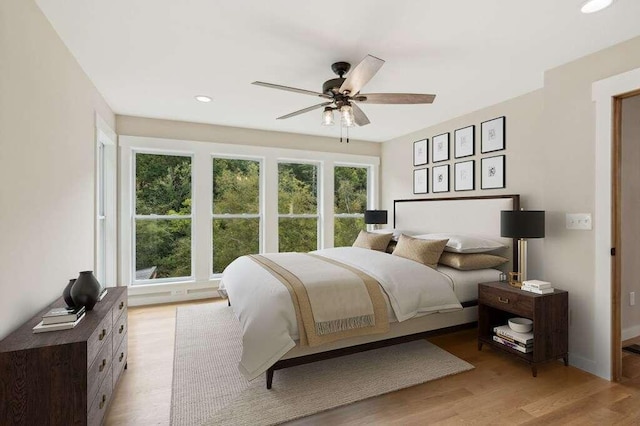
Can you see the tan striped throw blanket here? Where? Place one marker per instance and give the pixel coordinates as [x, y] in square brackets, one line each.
[332, 300]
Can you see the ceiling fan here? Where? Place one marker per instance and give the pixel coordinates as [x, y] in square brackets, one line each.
[342, 93]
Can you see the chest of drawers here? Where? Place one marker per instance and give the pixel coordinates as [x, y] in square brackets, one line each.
[65, 377]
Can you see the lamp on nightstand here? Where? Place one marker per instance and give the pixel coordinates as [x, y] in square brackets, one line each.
[522, 224]
[375, 217]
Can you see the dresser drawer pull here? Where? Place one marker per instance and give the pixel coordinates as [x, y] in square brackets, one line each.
[102, 334]
[503, 300]
[121, 329]
[104, 364]
[104, 400]
[121, 356]
[121, 306]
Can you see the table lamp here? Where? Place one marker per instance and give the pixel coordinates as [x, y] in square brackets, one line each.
[522, 224]
[375, 217]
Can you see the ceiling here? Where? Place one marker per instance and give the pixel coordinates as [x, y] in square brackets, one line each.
[151, 57]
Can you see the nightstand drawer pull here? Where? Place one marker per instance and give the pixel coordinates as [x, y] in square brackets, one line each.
[121, 306]
[104, 364]
[121, 329]
[503, 300]
[102, 334]
[104, 400]
[121, 356]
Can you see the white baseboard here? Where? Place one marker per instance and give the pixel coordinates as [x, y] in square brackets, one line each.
[631, 332]
[585, 364]
[167, 297]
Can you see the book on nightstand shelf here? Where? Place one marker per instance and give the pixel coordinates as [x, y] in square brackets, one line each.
[42, 328]
[513, 345]
[62, 315]
[504, 331]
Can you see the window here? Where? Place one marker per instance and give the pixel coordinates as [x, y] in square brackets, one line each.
[236, 210]
[162, 218]
[101, 217]
[350, 202]
[298, 218]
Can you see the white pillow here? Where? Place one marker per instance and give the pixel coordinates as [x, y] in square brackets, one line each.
[465, 243]
[396, 232]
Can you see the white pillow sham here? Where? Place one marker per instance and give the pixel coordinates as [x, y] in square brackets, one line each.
[396, 232]
[465, 243]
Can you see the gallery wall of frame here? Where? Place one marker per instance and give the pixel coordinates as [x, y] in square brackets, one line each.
[462, 171]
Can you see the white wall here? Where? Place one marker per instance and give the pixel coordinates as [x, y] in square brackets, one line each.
[523, 160]
[181, 130]
[47, 138]
[551, 163]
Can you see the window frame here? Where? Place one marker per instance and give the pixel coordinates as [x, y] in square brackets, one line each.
[320, 228]
[204, 284]
[261, 206]
[135, 217]
[106, 206]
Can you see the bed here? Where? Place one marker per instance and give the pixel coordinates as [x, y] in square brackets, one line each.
[271, 338]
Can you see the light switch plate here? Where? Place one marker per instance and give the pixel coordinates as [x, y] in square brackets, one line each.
[579, 221]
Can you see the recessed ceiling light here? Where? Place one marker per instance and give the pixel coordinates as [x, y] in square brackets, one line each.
[203, 98]
[592, 6]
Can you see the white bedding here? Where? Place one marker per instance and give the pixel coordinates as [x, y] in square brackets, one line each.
[265, 311]
[465, 283]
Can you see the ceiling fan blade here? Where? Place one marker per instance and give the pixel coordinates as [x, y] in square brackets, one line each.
[291, 89]
[395, 98]
[361, 74]
[302, 111]
[359, 116]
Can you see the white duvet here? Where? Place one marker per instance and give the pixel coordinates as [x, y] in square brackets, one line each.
[264, 308]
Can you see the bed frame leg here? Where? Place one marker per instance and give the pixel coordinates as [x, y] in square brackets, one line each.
[269, 378]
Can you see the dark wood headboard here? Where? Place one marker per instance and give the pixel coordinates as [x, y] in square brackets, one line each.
[463, 215]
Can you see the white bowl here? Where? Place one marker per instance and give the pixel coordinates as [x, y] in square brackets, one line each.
[521, 325]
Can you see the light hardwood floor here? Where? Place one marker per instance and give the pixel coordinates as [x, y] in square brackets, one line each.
[500, 390]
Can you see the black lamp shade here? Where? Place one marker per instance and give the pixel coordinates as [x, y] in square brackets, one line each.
[375, 217]
[522, 223]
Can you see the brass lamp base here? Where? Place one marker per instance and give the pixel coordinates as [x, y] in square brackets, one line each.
[515, 279]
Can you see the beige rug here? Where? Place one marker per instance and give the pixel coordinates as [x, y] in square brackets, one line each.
[208, 388]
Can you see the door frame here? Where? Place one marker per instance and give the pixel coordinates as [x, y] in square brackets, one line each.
[606, 94]
[616, 234]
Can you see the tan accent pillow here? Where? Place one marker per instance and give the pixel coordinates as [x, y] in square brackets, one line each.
[422, 251]
[470, 262]
[372, 241]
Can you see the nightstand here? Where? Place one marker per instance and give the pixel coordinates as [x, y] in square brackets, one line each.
[497, 302]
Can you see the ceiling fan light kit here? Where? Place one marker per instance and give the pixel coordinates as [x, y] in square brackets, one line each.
[342, 93]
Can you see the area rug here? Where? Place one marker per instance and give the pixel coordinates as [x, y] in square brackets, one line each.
[208, 389]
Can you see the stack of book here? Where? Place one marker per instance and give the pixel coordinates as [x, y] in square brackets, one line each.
[60, 319]
[537, 286]
[522, 342]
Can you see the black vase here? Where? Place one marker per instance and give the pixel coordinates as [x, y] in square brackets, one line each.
[86, 290]
[66, 293]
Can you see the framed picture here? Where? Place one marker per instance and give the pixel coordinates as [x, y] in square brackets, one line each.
[464, 176]
[441, 178]
[492, 135]
[440, 147]
[421, 181]
[465, 142]
[420, 152]
[493, 172]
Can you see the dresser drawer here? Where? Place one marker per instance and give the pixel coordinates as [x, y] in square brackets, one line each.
[98, 370]
[119, 330]
[120, 360]
[119, 307]
[101, 335]
[100, 402]
[506, 300]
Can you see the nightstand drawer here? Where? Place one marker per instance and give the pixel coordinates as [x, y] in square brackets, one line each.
[506, 300]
